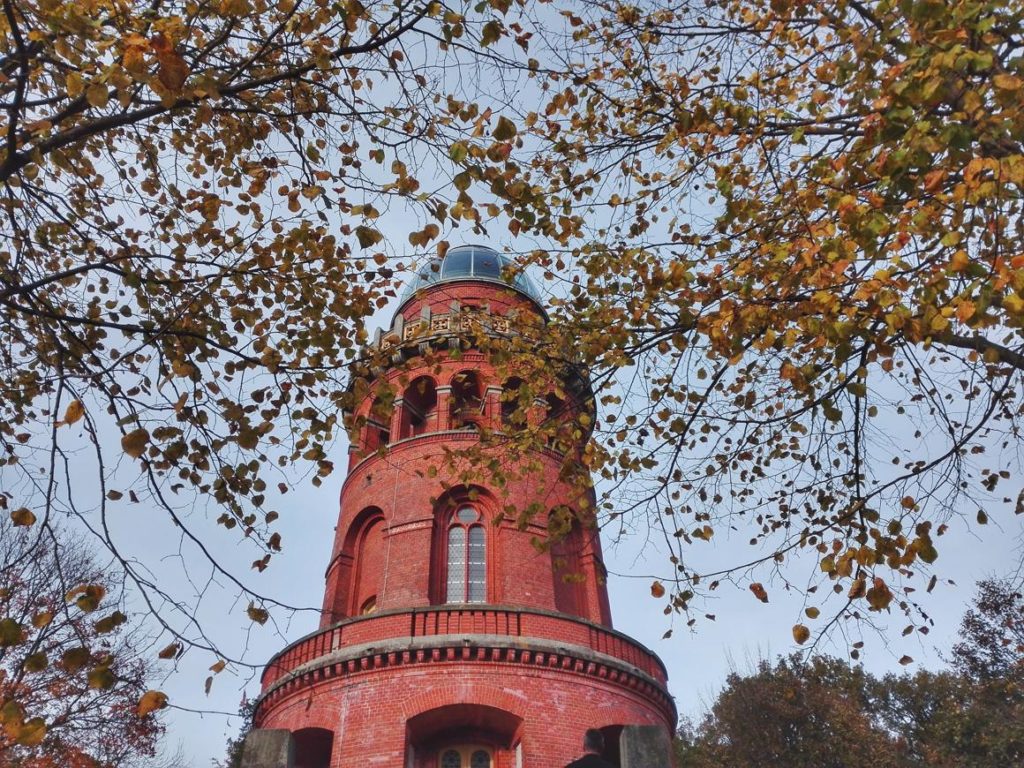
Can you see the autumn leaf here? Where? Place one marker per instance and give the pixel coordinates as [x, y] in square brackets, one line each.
[759, 591]
[172, 70]
[31, 733]
[74, 659]
[134, 443]
[257, 614]
[97, 95]
[657, 589]
[72, 413]
[23, 516]
[101, 677]
[801, 634]
[110, 623]
[11, 633]
[505, 130]
[368, 236]
[170, 651]
[150, 702]
[1007, 82]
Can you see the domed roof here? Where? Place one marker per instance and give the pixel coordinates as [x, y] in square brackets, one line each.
[470, 262]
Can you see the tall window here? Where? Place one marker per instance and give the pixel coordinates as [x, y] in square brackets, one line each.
[467, 558]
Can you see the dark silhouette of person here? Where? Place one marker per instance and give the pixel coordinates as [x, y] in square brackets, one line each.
[593, 746]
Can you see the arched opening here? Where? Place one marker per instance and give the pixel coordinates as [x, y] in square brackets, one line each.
[467, 403]
[377, 433]
[557, 423]
[360, 577]
[612, 735]
[513, 406]
[463, 736]
[420, 404]
[313, 747]
[566, 536]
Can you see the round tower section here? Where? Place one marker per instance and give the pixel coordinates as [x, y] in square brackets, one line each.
[454, 632]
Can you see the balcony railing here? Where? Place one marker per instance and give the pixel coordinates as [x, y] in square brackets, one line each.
[463, 620]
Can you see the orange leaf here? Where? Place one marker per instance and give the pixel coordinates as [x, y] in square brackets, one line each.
[172, 71]
[657, 589]
[759, 591]
[151, 701]
[801, 633]
[73, 413]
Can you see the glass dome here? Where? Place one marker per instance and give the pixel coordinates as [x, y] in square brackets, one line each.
[470, 262]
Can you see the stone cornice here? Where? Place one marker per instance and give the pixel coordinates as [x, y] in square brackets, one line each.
[455, 649]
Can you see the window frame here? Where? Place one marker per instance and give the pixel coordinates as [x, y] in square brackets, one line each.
[466, 754]
[473, 535]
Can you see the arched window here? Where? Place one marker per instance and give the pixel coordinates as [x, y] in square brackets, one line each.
[467, 558]
[467, 401]
[420, 403]
[378, 424]
[513, 409]
[465, 757]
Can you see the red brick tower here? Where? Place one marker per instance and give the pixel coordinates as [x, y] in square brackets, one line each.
[448, 639]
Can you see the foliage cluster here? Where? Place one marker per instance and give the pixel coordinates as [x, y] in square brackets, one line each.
[783, 238]
[820, 712]
[71, 676]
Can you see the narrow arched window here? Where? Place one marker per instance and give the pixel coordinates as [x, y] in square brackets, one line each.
[467, 558]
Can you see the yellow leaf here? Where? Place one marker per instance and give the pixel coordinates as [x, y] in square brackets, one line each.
[218, 667]
[23, 516]
[1005, 82]
[801, 633]
[75, 85]
[134, 60]
[32, 733]
[97, 95]
[101, 678]
[812, 612]
[135, 442]
[151, 701]
[257, 614]
[1014, 303]
[72, 413]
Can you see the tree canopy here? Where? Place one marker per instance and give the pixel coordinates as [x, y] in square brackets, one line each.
[789, 237]
[72, 674]
[820, 711]
[781, 237]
